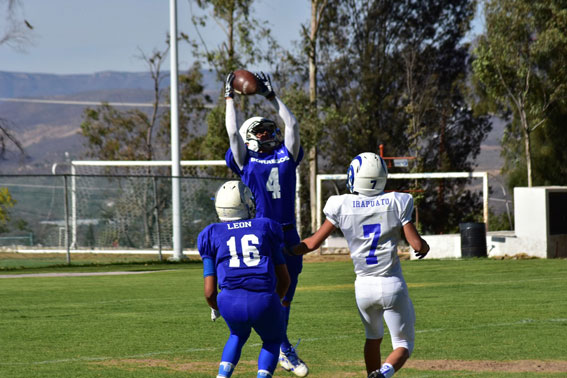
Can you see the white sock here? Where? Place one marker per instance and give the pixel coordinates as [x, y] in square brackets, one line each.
[264, 373]
[387, 370]
[225, 369]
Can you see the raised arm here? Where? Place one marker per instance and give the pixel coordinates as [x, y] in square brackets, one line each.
[291, 136]
[237, 144]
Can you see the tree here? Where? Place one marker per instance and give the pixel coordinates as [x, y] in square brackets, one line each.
[137, 135]
[520, 71]
[395, 73]
[17, 32]
[6, 202]
[317, 10]
[247, 43]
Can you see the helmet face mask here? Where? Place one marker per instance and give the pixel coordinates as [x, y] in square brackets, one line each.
[257, 125]
[367, 174]
[234, 201]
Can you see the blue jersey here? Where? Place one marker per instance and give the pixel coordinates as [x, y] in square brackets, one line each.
[271, 178]
[245, 253]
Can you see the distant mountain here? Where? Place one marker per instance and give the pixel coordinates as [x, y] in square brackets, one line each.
[48, 130]
[15, 85]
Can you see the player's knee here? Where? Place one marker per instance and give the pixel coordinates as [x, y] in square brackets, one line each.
[286, 303]
[406, 345]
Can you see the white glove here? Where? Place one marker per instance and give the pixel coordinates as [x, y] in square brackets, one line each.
[228, 88]
[215, 314]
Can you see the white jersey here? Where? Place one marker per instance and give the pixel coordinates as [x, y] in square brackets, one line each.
[372, 227]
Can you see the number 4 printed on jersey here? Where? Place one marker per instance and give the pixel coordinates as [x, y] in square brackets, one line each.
[273, 183]
[372, 231]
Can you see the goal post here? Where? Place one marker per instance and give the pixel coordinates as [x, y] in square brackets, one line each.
[398, 176]
[111, 191]
[76, 164]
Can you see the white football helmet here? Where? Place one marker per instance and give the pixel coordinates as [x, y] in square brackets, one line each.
[367, 174]
[252, 126]
[234, 201]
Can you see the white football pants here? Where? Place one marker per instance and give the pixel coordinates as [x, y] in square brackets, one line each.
[387, 297]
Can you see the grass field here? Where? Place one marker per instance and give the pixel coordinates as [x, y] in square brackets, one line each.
[475, 318]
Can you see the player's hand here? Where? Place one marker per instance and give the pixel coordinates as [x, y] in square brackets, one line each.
[421, 254]
[299, 249]
[265, 85]
[215, 314]
[228, 89]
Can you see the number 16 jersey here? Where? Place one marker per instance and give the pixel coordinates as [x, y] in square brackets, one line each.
[245, 253]
[372, 226]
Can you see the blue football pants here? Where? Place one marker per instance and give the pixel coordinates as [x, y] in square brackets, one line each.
[243, 310]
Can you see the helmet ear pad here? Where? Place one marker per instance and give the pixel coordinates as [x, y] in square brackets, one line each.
[367, 174]
[350, 178]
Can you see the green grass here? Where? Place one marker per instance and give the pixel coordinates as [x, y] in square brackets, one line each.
[158, 325]
[17, 262]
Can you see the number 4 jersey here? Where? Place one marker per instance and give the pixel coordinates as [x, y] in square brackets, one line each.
[372, 226]
[271, 178]
[245, 253]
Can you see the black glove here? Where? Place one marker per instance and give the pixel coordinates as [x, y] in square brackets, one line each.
[423, 253]
[228, 89]
[265, 85]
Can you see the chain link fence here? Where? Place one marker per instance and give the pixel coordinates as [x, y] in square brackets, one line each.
[109, 213]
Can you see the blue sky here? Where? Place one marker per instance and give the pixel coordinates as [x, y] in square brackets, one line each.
[80, 36]
[85, 36]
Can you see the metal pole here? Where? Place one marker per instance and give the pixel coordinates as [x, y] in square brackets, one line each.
[66, 206]
[298, 201]
[175, 158]
[485, 198]
[156, 212]
[73, 205]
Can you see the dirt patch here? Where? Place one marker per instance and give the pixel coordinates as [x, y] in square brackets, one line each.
[520, 366]
[193, 367]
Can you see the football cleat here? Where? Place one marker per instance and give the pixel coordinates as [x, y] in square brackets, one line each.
[290, 361]
[376, 374]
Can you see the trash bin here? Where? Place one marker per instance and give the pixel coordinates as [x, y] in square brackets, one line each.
[473, 239]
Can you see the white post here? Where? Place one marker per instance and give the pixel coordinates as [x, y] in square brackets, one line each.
[298, 201]
[485, 198]
[319, 199]
[73, 207]
[175, 156]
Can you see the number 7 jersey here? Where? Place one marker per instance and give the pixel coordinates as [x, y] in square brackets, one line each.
[372, 226]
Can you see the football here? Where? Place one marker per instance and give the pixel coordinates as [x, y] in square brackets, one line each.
[245, 82]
